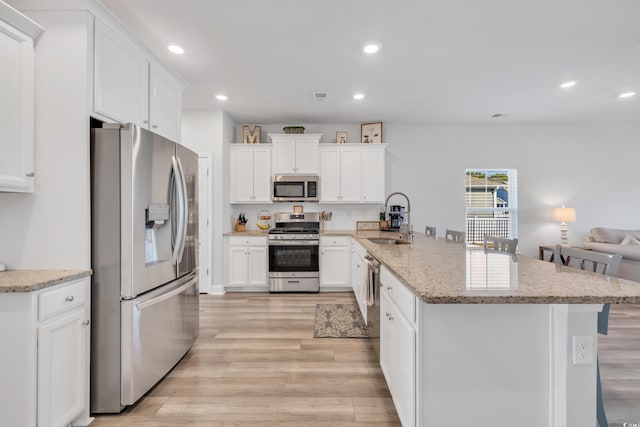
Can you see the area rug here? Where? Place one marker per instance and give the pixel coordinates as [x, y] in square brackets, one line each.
[339, 321]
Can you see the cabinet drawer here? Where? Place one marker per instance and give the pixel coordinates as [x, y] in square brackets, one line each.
[59, 300]
[247, 241]
[400, 294]
[335, 241]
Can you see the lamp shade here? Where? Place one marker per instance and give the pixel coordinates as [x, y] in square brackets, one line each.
[563, 214]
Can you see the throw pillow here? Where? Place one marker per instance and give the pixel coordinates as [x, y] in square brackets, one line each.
[630, 240]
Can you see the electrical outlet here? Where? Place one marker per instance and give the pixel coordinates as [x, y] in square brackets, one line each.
[583, 350]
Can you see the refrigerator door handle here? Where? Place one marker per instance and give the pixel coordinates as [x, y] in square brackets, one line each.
[164, 297]
[185, 216]
[177, 176]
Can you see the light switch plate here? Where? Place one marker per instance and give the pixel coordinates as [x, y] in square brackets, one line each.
[583, 350]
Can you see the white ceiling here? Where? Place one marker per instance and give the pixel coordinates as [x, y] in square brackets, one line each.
[441, 61]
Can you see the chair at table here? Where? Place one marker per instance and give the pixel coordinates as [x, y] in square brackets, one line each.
[430, 231]
[455, 236]
[500, 244]
[596, 262]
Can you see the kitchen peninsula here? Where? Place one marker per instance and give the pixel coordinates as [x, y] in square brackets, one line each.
[488, 339]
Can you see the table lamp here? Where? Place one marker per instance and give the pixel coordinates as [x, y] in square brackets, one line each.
[563, 215]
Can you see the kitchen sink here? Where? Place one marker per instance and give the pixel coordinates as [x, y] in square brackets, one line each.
[387, 241]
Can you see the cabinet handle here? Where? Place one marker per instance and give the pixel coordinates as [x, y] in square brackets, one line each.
[69, 298]
[154, 126]
[31, 174]
[146, 122]
[389, 288]
[86, 323]
[364, 197]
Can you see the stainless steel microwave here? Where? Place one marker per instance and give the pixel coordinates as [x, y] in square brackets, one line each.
[295, 188]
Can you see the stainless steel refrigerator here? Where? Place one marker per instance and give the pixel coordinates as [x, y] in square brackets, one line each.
[144, 244]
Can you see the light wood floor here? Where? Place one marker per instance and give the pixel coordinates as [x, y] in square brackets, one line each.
[619, 353]
[256, 363]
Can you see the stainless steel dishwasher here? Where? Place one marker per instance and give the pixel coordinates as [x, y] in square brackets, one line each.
[373, 301]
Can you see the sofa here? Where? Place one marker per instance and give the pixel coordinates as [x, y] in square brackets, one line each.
[623, 242]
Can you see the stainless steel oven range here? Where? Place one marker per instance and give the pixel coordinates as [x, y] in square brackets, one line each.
[294, 260]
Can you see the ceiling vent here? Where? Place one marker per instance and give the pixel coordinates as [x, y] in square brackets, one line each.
[320, 96]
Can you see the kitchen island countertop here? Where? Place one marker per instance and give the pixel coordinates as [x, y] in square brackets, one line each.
[440, 272]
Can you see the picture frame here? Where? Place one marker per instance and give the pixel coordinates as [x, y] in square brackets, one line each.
[342, 137]
[251, 136]
[371, 133]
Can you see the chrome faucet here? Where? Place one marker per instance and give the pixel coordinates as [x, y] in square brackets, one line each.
[405, 229]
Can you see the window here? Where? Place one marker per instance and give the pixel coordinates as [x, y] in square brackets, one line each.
[491, 203]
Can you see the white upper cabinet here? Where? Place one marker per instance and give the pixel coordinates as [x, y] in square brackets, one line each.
[17, 81]
[165, 104]
[250, 176]
[373, 173]
[352, 173]
[131, 87]
[121, 80]
[295, 154]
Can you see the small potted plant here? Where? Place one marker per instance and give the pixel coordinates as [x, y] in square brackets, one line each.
[384, 225]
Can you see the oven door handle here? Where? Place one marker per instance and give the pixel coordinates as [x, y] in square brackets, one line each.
[294, 242]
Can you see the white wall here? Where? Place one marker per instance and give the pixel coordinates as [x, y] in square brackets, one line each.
[209, 131]
[51, 228]
[589, 167]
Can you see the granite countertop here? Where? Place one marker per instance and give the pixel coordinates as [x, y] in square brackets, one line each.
[248, 233]
[33, 280]
[439, 272]
[351, 233]
[361, 234]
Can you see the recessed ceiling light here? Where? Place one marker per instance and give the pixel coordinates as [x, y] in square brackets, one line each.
[371, 48]
[567, 85]
[178, 50]
[221, 97]
[358, 96]
[626, 95]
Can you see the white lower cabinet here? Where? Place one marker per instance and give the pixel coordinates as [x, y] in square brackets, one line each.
[247, 262]
[358, 276]
[61, 367]
[398, 345]
[335, 262]
[44, 364]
